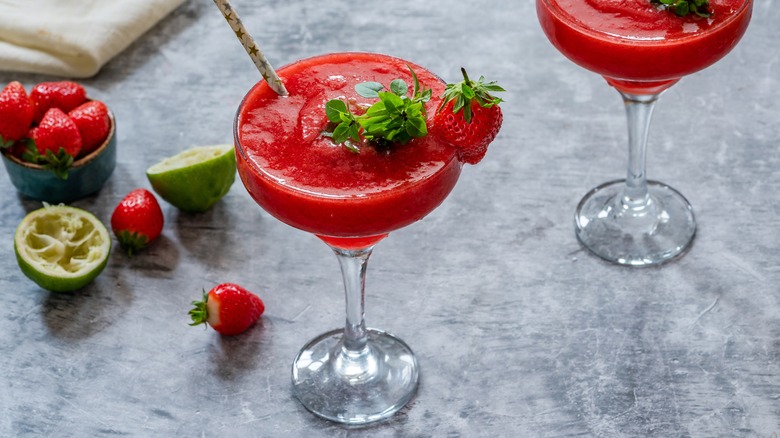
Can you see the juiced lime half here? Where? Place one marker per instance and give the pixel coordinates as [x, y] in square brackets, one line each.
[61, 248]
[195, 179]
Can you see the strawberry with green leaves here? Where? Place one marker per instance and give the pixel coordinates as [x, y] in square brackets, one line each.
[469, 117]
[65, 95]
[137, 220]
[16, 113]
[54, 143]
[93, 122]
[228, 308]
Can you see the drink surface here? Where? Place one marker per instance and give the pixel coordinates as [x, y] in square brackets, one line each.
[635, 40]
[301, 177]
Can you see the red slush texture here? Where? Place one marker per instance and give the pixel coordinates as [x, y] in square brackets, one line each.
[630, 41]
[303, 179]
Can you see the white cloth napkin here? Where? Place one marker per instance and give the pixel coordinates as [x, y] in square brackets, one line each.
[72, 38]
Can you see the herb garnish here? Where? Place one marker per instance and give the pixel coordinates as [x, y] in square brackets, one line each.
[684, 7]
[394, 118]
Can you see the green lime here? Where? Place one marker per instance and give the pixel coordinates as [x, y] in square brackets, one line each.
[61, 248]
[193, 180]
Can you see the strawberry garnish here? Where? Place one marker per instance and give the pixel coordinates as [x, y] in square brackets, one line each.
[55, 142]
[93, 122]
[65, 95]
[228, 308]
[137, 220]
[469, 117]
[16, 114]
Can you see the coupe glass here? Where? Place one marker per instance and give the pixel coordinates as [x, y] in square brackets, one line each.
[641, 51]
[355, 375]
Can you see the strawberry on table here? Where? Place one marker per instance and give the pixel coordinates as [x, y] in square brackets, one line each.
[137, 220]
[93, 122]
[65, 95]
[469, 117]
[228, 308]
[16, 114]
[55, 142]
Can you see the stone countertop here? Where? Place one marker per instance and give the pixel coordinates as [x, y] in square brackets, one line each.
[519, 332]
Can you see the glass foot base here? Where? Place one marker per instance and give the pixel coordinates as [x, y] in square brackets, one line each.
[654, 233]
[359, 388]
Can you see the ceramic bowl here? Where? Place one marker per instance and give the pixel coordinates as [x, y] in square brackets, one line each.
[86, 177]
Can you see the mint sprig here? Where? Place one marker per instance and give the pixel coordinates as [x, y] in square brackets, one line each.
[396, 118]
[681, 8]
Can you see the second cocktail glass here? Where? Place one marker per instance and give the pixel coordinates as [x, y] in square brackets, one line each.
[641, 49]
[350, 200]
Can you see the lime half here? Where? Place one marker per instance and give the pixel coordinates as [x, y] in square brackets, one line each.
[195, 179]
[61, 248]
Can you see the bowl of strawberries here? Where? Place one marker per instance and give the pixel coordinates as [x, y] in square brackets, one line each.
[57, 144]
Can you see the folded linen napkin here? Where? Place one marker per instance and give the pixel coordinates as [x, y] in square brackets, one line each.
[72, 38]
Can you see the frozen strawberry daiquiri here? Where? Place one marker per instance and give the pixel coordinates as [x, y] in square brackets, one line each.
[641, 47]
[357, 150]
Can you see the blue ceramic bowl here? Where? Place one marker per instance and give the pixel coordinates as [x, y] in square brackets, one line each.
[86, 177]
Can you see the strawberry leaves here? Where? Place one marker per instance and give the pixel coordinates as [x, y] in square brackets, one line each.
[462, 93]
[58, 163]
[396, 117]
[681, 8]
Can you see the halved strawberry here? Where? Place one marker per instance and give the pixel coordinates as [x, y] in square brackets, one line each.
[64, 95]
[469, 117]
[228, 308]
[16, 114]
[93, 122]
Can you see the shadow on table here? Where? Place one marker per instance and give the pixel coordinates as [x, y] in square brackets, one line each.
[79, 315]
[235, 356]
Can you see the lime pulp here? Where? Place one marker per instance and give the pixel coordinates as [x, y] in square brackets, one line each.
[61, 248]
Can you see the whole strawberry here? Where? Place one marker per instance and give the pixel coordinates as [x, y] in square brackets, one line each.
[469, 117]
[228, 308]
[64, 95]
[93, 122]
[55, 142]
[137, 220]
[16, 114]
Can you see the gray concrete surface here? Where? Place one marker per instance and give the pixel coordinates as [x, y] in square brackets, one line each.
[518, 330]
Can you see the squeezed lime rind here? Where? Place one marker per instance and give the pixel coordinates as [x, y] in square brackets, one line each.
[61, 248]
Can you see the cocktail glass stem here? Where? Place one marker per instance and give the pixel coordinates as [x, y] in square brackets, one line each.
[354, 349]
[355, 375]
[635, 221]
[639, 111]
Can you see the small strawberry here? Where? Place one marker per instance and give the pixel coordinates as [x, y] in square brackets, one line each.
[93, 123]
[228, 308]
[473, 129]
[137, 220]
[16, 114]
[64, 95]
[56, 142]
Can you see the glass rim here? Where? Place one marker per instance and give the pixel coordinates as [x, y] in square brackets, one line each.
[556, 10]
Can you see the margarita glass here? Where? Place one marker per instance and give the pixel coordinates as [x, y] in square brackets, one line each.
[351, 201]
[641, 49]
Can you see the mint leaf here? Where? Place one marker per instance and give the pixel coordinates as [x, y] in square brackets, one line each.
[369, 89]
[682, 8]
[399, 87]
[333, 110]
